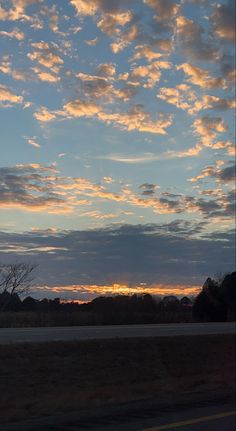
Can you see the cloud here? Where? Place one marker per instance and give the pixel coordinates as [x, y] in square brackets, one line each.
[227, 174]
[106, 69]
[131, 159]
[180, 252]
[29, 187]
[166, 9]
[80, 108]
[137, 119]
[83, 293]
[208, 129]
[43, 115]
[96, 87]
[190, 37]
[91, 42]
[222, 173]
[148, 75]
[8, 98]
[98, 215]
[201, 77]
[125, 39]
[17, 12]
[17, 74]
[182, 96]
[223, 20]
[16, 33]
[212, 102]
[46, 57]
[148, 189]
[147, 52]
[53, 16]
[45, 76]
[102, 86]
[32, 141]
[85, 8]
[34, 187]
[110, 20]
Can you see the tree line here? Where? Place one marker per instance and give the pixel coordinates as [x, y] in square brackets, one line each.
[215, 302]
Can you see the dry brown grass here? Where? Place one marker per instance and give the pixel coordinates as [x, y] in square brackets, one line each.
[46, 378]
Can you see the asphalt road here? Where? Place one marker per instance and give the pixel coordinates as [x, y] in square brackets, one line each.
[22, 335]
[209, 417]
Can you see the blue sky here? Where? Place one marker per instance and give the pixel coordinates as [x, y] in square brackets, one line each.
[117, 116]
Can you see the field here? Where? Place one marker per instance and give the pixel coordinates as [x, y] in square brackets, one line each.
[23, 319]
[46, 378]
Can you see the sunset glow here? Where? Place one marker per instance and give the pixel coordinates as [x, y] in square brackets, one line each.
[78, 293]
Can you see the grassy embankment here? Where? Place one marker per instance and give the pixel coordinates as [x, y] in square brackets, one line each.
[46, 378]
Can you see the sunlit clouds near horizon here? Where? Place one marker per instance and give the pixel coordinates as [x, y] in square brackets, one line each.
[117, 162]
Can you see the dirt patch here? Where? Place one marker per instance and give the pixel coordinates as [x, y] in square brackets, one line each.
[46, 378]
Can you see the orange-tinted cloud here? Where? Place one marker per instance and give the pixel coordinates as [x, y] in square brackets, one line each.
[200, 77]
[8, 98]
[94, 290]
[43, 115]
[223, 20]
[16, 33]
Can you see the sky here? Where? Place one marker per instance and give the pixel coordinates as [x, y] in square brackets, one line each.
[117, 162]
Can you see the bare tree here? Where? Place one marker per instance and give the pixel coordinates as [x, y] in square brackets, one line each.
[16, 278]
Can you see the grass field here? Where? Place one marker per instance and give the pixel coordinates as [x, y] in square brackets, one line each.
[46, 378]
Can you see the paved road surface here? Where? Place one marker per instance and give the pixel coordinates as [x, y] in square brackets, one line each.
[208, 417]
[211, 418]
[20, 335]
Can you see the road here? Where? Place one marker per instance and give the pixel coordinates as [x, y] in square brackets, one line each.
[22, 335]
[209, 417]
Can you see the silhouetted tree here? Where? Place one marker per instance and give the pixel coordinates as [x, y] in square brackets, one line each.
[29, 304]
[186, 302]
[216, 299]
[15, 278]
